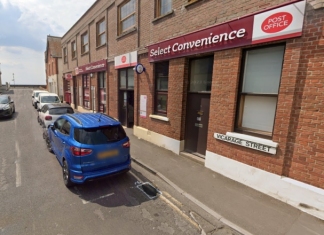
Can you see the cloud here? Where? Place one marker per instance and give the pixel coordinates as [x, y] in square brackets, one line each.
[24, 27]
[28, 22]
[27, 65]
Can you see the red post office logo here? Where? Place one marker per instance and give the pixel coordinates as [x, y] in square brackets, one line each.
[123, 59]
[277, 22]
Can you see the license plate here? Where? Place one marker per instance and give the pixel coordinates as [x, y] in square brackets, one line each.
[110, 153]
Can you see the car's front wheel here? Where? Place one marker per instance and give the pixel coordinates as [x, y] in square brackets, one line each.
[66, 175]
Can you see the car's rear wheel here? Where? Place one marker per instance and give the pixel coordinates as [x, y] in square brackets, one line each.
[66, 174]
[48, 142]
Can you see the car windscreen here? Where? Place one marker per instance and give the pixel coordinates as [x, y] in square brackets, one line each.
[4, 100]
[50, 99]
[101, 135]
[59, 111]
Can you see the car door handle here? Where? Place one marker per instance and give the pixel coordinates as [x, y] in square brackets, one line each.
[63, 142]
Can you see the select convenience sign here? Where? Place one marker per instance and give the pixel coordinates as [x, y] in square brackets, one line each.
[280, 23]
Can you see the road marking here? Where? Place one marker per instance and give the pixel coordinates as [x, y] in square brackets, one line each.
[86, 202]
[180, 212]
[18, 170]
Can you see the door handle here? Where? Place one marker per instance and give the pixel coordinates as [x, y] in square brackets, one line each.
[63, 142]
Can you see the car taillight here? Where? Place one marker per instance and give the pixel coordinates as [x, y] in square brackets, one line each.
[48, 118]
[80, 151]
[126, 145]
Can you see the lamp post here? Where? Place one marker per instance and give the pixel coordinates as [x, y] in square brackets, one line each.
[13, 79]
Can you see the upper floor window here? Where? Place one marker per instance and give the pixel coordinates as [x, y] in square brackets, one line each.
[84, 43]
[73, 49]
[101, 32]
[163, 7]
[65, 54]
[258, 93]
[161, 87]
[126, 18]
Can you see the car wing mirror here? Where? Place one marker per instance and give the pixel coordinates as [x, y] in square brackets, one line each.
[52, 126]
[32, 96]
[11, 101]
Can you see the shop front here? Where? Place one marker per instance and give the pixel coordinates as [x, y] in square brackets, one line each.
[125, 65]
[241, 80]
[92, 86]
[67, 86]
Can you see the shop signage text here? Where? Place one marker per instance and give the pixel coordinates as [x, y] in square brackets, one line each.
[126, 60]
[97, 66]
[276, 24]
[246, 143]
[212, 39]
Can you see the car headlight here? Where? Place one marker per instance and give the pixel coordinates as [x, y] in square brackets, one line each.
[7, 106]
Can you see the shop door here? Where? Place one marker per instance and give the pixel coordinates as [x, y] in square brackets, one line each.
[75, 93]
[198, 102]
[126, 108]
[126, 97]
[197, 123]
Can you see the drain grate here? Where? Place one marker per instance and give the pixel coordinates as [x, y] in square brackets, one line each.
[149, 190]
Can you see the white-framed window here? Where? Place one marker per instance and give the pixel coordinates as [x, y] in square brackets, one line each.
[258, 93]
[84, 43]
[126, 19]
[162, 7]
[101, 32]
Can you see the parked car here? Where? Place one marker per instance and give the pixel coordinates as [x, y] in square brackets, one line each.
[7, 106]
[35, 97]
[88, 146]
[50, 112]
[47, 98]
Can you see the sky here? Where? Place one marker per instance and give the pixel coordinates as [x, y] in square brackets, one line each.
[24, 26]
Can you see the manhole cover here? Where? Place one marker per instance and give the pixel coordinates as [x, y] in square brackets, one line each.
[149, 190]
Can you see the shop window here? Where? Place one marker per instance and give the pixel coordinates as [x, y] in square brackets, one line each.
[163, 7]
[86, 91]
[126, 79]
[258, 94]
[73, 49]
[201, 73]
[126, 18]
[101, 32]
[102, 91]
[161, 87]
[84, 43]
[65, 54]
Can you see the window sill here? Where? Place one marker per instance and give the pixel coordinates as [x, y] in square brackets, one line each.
[256, 143]
[158, 117]
[101, 46]
[87, 52]
[191, 3]
[155, 20]
[74, 58]
[127, 32]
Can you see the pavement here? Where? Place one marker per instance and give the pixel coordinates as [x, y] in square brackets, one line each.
[236, 205]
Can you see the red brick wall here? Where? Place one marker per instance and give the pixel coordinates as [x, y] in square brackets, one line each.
[112, 85]
[298, 123]
[305, 160]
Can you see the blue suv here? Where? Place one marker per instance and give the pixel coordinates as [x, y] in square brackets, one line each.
[88, 146]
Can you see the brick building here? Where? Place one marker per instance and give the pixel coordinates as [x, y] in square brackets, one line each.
[184, 75]
[53, 65]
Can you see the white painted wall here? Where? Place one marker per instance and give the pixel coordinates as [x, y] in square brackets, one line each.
[282, 188]
[175, 146]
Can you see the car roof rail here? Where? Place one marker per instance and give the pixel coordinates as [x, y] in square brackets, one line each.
[74, 118]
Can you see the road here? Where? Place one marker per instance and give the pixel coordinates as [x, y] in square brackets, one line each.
[34, 199]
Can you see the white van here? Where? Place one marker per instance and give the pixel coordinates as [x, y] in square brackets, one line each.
[47, 98]
[35, 96]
